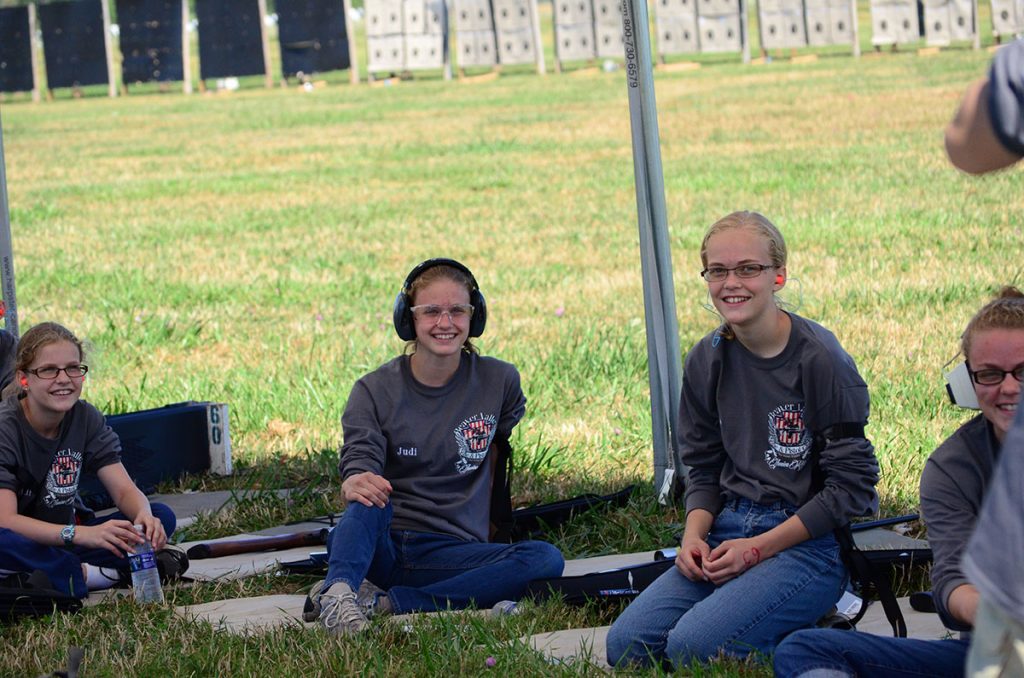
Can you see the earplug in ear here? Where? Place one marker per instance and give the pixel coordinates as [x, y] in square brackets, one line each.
[24, 382]
[779, 279]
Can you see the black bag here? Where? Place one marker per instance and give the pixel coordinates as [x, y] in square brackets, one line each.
[32, 596]
[616, 584]
[532, 522]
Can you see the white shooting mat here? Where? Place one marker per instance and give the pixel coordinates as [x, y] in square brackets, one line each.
[263, 613]
[248, 615]
[580, 566]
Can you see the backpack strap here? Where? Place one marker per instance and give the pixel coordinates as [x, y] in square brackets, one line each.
[501, 490]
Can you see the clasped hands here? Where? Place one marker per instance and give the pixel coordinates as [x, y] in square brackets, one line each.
[699, 562]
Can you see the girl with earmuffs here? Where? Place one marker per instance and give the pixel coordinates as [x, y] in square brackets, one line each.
[418, 463]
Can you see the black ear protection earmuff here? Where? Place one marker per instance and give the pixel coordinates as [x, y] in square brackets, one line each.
[402, 315]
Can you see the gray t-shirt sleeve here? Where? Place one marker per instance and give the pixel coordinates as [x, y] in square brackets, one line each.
[996, 550]
[513, 405]
[102, 446]
[1006, 96]
[848, 465]
[365, 446]
[952, 486]
[700, 438]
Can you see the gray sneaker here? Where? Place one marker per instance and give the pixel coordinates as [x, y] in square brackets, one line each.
[340, 614]
[366, 597]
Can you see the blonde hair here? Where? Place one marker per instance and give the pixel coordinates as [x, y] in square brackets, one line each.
[1004, 312]
[33, 341]
[756, 222]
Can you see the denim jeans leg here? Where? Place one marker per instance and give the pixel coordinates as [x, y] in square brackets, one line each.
[360, 544]
[438, 571]
[640, 633]
[749, 613]
[754, 611]
[812, 652]
[21, 554]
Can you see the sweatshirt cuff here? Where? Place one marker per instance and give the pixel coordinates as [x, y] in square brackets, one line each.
[817, 521]
[704, 498]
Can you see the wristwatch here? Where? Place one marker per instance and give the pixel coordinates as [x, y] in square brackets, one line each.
[68, 534]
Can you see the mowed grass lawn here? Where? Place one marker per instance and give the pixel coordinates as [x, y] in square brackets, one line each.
[247, 247]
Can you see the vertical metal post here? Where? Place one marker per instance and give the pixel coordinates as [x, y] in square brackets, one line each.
[6, 248]
[268, 78]
[745, 32]
[538, 44]
[108, 49]
[976, 39]
[350, 38]
[855, 26]
[33, 53]
[663, 355]
[186, 50]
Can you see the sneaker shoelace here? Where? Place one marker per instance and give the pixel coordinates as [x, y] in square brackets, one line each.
[336, 613]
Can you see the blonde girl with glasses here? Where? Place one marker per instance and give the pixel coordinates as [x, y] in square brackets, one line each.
[49, 437]
[424, 436]
[771, 426]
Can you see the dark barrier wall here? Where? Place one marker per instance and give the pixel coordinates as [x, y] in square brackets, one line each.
[230, 42]
[15, 50]
[312, 34]
[73, 43]
[150, 40]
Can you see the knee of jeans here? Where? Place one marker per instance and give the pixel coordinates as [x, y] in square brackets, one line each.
[166, 516]
[545, 560]
[617, 644]
[795, 652]
[686, 646]
[371, 515]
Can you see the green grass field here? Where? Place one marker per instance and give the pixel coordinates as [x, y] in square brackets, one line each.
[247, 247]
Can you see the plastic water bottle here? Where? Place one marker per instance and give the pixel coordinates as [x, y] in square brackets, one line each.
[505, 608]
[145, 576]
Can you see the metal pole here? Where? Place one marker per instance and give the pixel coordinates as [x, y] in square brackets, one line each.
[6, 249]
[663, 353]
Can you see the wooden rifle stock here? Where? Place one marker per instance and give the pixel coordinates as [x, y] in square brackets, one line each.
[218, 549]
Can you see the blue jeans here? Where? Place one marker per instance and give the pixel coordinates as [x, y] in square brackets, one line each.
[832, 653]
[64, 565]
[679, 621]
[423, 571]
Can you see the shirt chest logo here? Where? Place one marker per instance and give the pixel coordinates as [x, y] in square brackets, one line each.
[789, 441]
[62, 479]
[474, 436]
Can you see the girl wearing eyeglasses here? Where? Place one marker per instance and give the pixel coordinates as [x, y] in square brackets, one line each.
[956, 479]
[771, 426]
[49, 437]
[422, 437]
